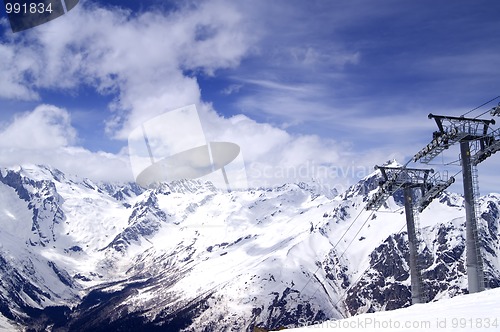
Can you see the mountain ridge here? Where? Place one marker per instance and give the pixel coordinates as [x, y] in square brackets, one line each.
[188, 256]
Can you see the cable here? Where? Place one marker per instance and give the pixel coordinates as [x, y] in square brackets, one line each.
[363, 225]
[355, 235]
[314, 274]
[486, 110]
[341, 297]
[395, 211]
[359, 214]
[460, 171]
[472, 110]
[345, 250]
[340, 239]
[347, 245]
[369, 216]
[356, 281]
[353, 238]
[451, 162]
[334, 247]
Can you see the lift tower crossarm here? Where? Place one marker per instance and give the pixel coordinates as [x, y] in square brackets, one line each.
[451, 130]
[395, 178]
[468, 128]
[405, 176]
[459, 119]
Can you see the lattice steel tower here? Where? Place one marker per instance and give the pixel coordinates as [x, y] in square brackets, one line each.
[476, 144]
[409, 180]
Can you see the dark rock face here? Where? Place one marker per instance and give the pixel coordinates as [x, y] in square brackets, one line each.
[144, 221]
[382, 286]
[45, 202]
[286, 309]
[24, 288]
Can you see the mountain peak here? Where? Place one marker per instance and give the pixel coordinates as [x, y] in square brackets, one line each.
[392, 163]
[37, 172]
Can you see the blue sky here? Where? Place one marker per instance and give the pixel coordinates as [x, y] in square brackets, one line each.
[337, 83]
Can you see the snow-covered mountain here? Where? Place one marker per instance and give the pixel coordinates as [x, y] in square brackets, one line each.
[77, 255]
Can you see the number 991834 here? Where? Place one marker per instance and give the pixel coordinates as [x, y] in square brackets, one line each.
[28, 8]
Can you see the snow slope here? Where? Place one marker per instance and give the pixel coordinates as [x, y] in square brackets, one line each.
[472, 312]
[7, 325]
[83, 256]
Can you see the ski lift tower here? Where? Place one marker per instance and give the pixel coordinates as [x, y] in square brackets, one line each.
[476, 144]
[410, 179]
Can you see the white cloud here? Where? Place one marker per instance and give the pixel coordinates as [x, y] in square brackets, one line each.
[46, 136]
[99, 166]
[46, 127]
[311, 57]
[268, 84]
[273, 156]
[141, 59]
[231, 89]
[13, 66]
[144, 60]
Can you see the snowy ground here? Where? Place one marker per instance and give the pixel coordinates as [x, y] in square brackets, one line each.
[474, 312]
[7, 326]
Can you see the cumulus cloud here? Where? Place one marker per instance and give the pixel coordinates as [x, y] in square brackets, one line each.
[141, 59]
[273, 156]
[46, 127]
[148, 62]
[46, 136]
[12, 83]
